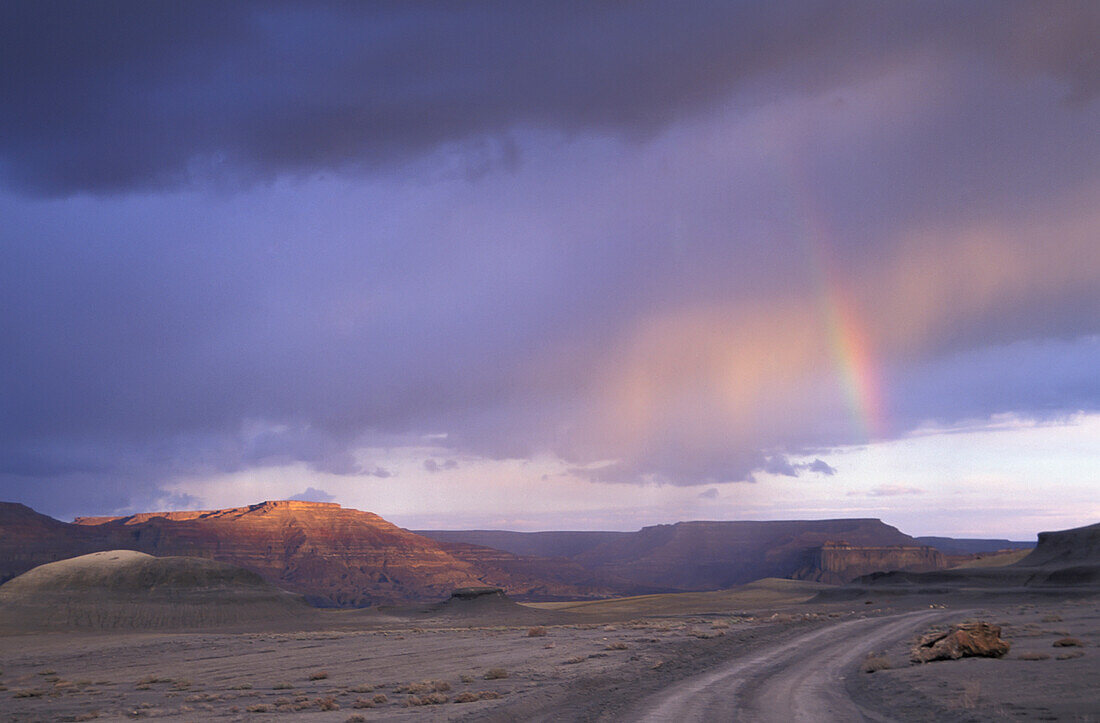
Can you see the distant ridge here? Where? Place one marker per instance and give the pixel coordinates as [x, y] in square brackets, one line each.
[713, 555]
[331, 554]
[972, 546]
[1061, 559]
[344, 557]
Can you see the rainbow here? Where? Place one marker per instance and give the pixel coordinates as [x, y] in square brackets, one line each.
[850, 345]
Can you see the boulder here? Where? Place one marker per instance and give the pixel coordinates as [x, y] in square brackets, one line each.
[976, 639]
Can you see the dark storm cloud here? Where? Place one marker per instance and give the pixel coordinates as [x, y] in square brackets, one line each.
[116, 96]
[644, 311]
[781, 466]
[821, 467]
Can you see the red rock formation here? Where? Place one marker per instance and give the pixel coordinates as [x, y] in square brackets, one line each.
[838, 562]
[332, 555]
[976, 639]
[28, 539]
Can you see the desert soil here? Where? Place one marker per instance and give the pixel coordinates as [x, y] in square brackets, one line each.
[1036, 680]
[622, 669]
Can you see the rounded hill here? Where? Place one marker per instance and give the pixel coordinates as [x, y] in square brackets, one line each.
[128, 589]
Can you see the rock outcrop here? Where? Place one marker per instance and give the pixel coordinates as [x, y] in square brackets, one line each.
[691, 556]
[715, 555]
[976, 639]
[1080, 545]
[330, 554]
[333, 555]
[29, 539]
[839, 562]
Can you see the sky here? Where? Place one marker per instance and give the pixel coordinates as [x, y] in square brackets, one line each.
[563, 266]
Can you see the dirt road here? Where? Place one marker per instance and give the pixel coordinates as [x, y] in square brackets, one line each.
[800, 680]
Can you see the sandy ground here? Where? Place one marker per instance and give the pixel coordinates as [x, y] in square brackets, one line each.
[610, 669]
[1035, 681]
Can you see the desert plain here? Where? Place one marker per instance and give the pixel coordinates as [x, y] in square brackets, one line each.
[772, 650]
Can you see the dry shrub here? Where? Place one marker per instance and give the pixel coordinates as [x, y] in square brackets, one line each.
[1068, 643]
[618, 645]
[319, 675]
[282, 686]
[1033, 656]
[355, 719]
[495, 674]
[1070, 655]
[242, 686]
[874, 663]
[362, 689]
[575, 660]
[90, 715]
[720, 625]
[258, 708]
[31, 693]
[362, 703]
[536, 632]
[380, 698]
[471, 696]
[429, 699]
[466, 678]
[424, 686]
[610, 628]
[54, 672]
[1052, 619]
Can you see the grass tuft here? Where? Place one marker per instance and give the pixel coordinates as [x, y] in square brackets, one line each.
[873, 663]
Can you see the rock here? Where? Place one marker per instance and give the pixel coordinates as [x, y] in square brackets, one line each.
[711, 555]
[472, 593]
[839, 562]
[332, 555]
[977, 639]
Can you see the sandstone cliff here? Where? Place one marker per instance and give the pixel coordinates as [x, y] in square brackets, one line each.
[838, 562]
[332, 555]
[715, 555]
[29, 539]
